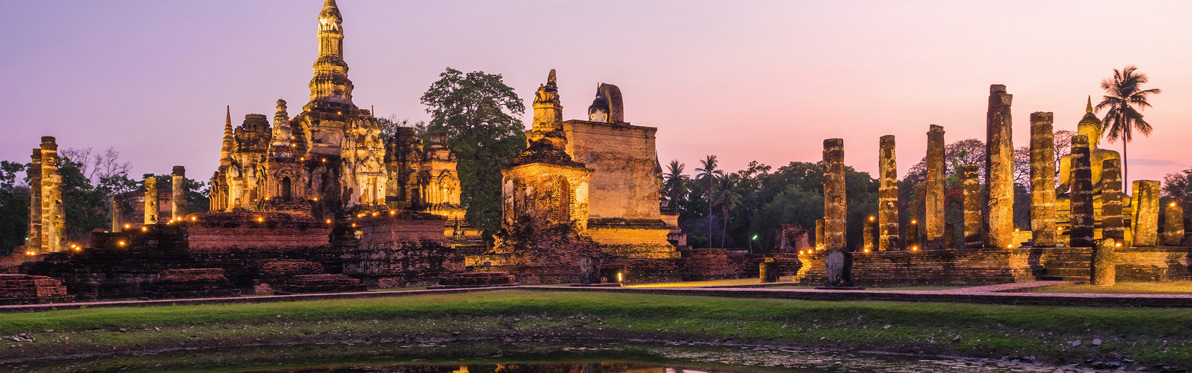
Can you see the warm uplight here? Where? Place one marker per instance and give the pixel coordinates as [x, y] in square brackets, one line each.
[303, 159]
[866, 250]
[121, 243]
[914, 248]
[30, 253]
[871, 218]
[1010, 246]
[260, 219]
[194, 218]
[1119, 244]
[353, 225]
[360, 215]
[266, 198]
[324, 160]
[1173, 204]
[328, 221]
[316, 199]
[913, 221]
[620, 277]
[144, 229]
[127, 226]
[374, 214]
[392, 212]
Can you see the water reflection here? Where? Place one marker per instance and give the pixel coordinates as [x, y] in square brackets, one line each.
[453, 356]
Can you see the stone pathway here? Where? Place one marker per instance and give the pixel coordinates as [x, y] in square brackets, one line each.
[1004, 287]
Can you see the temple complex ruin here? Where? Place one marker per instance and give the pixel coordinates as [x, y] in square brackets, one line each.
[47, 214]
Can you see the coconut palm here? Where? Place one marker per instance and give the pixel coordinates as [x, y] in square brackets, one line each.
[708, 173]
[674, 182]
[1124, 93]
[727, 197]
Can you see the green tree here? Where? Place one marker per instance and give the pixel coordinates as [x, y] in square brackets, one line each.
[1178, 186]
[674, 184]
[479, 114]
[727, 197]
[708, 173]
[1125, 99]
[14, 207]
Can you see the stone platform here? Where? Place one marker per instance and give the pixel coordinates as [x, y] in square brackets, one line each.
[26, 289]
[987, 266]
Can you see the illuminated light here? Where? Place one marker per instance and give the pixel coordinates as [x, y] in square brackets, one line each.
[127, 226]
[260, 219]
[353, 225]
[194, 218]
[374, 214]
[144, 229]
[266, 198]
[871, 218]
[78, 249]
[328, 221]
[324, 160]
[121, 243]
[302, 159]
[914, 248]
[1010, 246]
[620, 277]
[914, 221]
[339, 113]
[316, 199]
[1119, 244]
[1173, 204]
[360, 215]
[866, 250]
[30, 253]
[392, 212]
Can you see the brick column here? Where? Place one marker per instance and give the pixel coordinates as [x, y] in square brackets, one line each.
[887, 192]
[933, 219]
[1043, 225]
[973, 222]
[999, 169]
[1082, 194]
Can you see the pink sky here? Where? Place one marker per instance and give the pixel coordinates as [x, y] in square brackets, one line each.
[745, 80]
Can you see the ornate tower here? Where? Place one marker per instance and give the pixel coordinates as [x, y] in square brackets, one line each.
[225, 152]
[330, 89]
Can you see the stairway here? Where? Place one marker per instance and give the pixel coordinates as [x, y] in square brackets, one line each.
[1066, 264]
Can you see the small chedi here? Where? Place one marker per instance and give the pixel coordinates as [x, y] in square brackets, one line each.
[581, 203]
[1086, 208]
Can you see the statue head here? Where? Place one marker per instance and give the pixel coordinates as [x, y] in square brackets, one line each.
[1090, 126]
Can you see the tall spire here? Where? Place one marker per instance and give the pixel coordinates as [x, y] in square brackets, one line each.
[330, 88]
[1089, 108]
[225, 152]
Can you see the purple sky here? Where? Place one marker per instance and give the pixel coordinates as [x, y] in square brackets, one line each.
[745, 80]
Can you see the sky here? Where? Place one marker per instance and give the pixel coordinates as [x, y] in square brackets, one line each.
[762, 81]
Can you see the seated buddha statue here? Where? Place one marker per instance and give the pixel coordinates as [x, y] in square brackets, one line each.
[1089, 126]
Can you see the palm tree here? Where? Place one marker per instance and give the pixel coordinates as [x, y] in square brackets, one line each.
[708, 173]
[1123, 93]
[674, 182]
[728, 198]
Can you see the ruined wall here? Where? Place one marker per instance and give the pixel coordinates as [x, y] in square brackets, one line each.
[626, 176]
[401, 250]
[258, 230]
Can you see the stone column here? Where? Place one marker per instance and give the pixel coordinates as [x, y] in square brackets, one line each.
[933, 219]
[1146, 213]
[835, 207]
[116, 213]
[34, 242]
[973, 223]
[819, 234]
[999, 169]
[887, 197]
[1173, 224]
[53, 213]
[178, 197]
[1113, 224]
[870, 234]
[150, 200]
[1103, 271]
[1043, 226]
[1082, 194]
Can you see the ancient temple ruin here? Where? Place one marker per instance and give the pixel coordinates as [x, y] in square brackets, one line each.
[47, 214]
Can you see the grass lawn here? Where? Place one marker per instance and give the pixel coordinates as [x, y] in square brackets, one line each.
[1174, 287]
[1148, 336]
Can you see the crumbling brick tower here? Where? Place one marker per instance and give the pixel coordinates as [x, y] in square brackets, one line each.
[47, 215]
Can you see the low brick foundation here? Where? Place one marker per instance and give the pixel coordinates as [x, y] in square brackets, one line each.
[191, 283]
[325, 283]
[26, 289]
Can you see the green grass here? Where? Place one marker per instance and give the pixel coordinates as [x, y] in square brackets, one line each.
[1151, 336]
[1174, 287]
